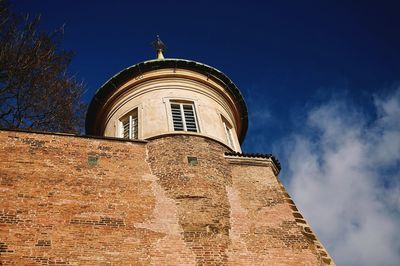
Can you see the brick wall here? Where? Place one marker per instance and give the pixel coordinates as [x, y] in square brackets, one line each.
[60, 206]
[68, 200]
[198, 192]
[263, 223]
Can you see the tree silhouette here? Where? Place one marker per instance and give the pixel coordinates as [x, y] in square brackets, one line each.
[36, 91]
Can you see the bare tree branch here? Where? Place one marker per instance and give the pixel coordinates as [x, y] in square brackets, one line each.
[36, 91]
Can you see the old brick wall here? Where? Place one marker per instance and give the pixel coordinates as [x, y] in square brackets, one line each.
[262, 222]
[68, 200]
[56, 208]
[231, 211]
[198, 191]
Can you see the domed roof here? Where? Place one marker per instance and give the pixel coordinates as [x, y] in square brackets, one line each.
[105, 91]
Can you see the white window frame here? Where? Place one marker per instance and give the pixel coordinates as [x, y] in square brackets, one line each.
[181, 103]
[132, 122]
[228, 132]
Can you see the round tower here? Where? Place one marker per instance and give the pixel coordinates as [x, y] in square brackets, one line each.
[169, 96]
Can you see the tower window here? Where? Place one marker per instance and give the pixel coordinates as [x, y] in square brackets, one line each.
[228, 132]
[184, 117]
[129, 125]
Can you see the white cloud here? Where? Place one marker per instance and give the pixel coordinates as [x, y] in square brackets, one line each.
[344, 174]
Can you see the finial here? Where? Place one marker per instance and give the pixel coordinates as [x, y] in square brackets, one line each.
[160, 47]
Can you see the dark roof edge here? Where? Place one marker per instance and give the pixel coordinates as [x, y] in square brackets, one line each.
[256, 155]
[123, 76]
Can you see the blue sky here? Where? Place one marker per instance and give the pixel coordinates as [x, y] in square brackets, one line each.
[319, 77]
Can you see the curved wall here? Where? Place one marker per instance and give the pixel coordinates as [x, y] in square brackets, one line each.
[152, 94]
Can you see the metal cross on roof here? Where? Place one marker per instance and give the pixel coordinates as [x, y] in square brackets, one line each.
[160, 47]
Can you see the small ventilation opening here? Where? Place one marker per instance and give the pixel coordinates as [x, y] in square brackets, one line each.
[93, 160]
[192, 160]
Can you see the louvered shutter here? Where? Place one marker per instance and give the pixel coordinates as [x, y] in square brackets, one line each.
[125, 127]
[184, 117]
[177, 117]
[130, 125]
[134, 127]
[190, 118]
[228, 132]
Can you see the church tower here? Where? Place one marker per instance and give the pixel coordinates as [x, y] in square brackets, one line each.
[159, 179]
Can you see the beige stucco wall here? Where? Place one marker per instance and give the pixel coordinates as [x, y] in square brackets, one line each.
[152, 92]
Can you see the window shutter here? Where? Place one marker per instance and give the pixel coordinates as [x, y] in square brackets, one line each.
[125, 127]
[184, 117]
[177, 117]
[130, 125]
[228, 132]
[189, 118]
[134, 127]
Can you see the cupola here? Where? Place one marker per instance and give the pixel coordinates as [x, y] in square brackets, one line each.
[169, 96]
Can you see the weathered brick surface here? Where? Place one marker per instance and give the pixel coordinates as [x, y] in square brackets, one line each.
[69, 200]
[58, 209]
[262, 222]
[198, 191]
